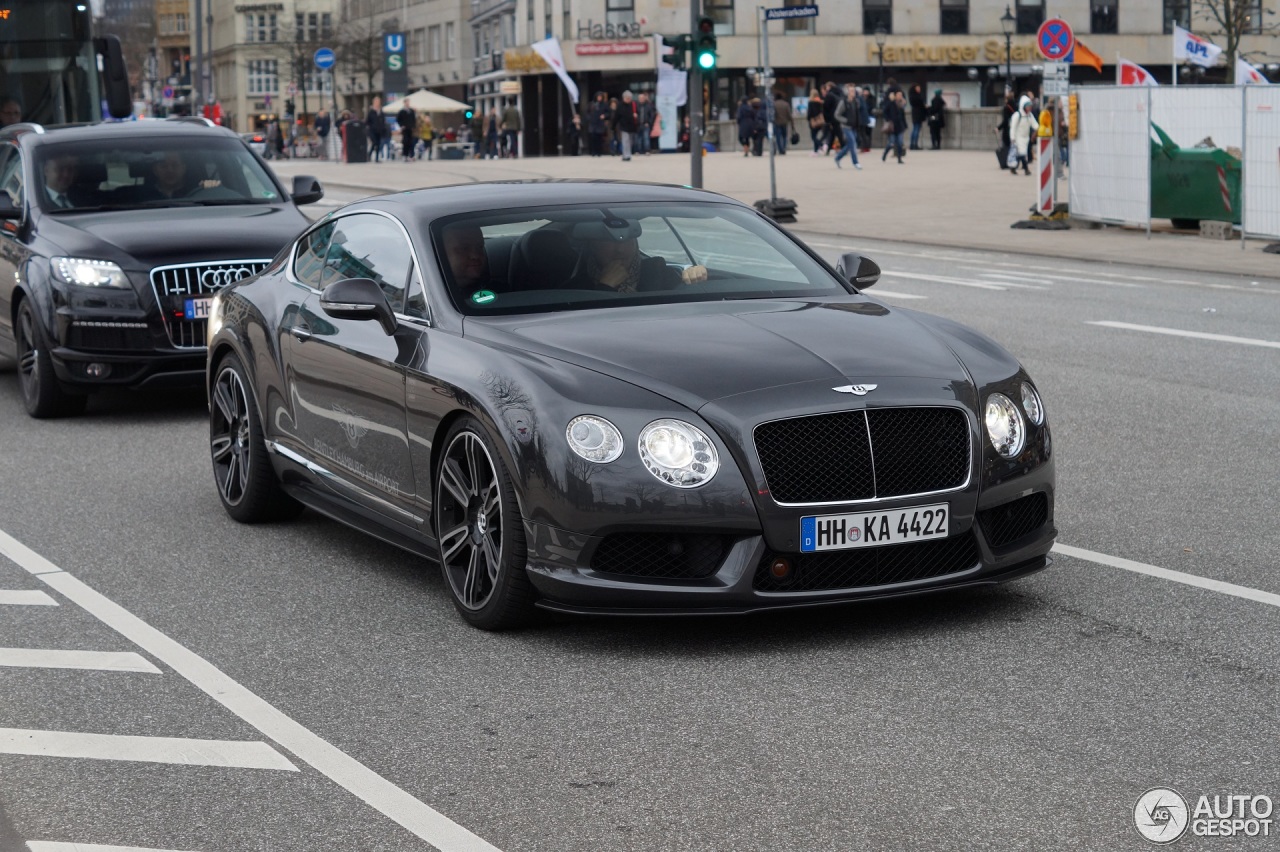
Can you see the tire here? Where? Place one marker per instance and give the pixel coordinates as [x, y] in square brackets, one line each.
[481, 535]
[42, 393]
[242, 472]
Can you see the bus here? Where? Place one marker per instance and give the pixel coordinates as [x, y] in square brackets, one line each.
[52, 68]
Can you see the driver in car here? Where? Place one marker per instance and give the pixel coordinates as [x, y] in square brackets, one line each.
[612, 260]
[169, 178]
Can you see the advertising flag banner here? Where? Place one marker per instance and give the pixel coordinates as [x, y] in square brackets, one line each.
[1247, 75]
[1132, 74]
[1084, 56]
[549, 50]
[1189, 47]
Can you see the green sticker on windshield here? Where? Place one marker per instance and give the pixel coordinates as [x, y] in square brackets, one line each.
[483, 297]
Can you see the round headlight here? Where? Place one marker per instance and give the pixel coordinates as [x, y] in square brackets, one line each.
[1004, 425]
[1031, 404]
[678, 453]
[594, 438]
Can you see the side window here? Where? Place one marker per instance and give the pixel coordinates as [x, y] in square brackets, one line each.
[368, 246]
[416, 303]
[11, 175]
[308, 263]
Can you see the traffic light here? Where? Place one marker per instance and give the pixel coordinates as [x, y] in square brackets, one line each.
[704, 48]
[288, 107]
[678, 44]
[470, 113]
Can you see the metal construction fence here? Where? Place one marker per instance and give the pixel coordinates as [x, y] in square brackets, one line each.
[1188, 154]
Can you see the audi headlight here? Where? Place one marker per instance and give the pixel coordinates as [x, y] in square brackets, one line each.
[88, 273]
[1031, 404]
[594, 438]
[1005, 427]
[678, 453]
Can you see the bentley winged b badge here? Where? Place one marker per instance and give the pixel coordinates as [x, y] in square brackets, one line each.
[856, 390]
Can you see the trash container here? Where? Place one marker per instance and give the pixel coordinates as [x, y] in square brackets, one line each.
[1193, 184]
[356, 139]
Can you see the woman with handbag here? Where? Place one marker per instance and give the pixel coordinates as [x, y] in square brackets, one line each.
[814, 115]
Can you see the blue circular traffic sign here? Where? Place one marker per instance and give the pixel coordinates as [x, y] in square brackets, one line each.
[324, 58]
[1055, 40]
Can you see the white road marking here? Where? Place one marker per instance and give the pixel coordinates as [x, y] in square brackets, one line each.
[345, 771]
[25, 597]
[916, 276]
[892, 295]
[1178, 332]
[58, 846]
[1083, 278]
[105, 661]
[1232, 589]
[187, 752]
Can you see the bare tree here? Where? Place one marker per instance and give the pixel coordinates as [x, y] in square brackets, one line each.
[135, 24]
[1234, 19]
[360, 41]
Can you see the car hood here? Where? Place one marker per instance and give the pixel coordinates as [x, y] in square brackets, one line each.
[141, 239]
[702, 352]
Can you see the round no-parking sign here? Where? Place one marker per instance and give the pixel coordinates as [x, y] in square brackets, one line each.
[1055, 40]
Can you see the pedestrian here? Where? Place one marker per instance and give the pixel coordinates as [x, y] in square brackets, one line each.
[426, 134]
[1007, 114]
[781, 122]
[323, 125]
[646, 114]
[895, 120]
[573, 136]
[919, 113]
[345, 118]
[273, 140]
[830, 100]
[615, 144]
[408, 121]
[598, 124]
[491, 134]
[628, 121]
[746, 119]
[376, 126]
[1021, 135]
[847, 118]
[937, 119]
[817, 126]
[759, 127]
[511, 127]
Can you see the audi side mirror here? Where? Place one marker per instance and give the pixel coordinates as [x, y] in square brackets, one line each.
[858, 270]
[358, 299]
[306, 190]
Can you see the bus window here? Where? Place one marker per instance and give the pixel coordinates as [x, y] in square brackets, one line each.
[48, 62]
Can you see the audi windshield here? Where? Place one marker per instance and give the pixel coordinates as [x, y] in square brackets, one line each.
[146, 171]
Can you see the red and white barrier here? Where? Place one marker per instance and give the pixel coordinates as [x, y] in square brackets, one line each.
[1045, 199]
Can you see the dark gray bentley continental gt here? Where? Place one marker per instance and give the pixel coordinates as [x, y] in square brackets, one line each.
[622, 398]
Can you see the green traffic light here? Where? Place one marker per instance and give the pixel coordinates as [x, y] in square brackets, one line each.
[706, 61]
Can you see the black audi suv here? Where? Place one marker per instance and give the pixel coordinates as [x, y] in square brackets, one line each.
[113, 240]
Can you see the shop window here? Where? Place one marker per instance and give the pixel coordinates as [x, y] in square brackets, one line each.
[955, 17]
[720, 11]
[1030, 16]
[1177, 12]
[876, 15]
[1103, 16]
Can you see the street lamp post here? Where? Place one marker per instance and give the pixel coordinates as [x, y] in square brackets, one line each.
[1007, 22]
[881, 37]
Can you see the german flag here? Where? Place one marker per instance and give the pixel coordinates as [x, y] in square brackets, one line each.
[1085, 56]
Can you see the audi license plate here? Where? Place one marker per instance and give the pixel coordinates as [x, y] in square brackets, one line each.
[872, 529]
[197, 309]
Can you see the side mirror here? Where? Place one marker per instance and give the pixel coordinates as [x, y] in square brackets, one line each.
[861, 271]
[358, 299]
[7, 208]
[306, 190]
[115, 77]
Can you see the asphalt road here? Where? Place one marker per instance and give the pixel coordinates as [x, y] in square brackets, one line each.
[1031, 716]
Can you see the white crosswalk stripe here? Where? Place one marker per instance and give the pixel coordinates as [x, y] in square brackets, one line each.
[60, 846]
[106, 661]
[25, 597]
[187, 752]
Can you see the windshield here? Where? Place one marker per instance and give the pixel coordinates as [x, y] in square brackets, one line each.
[48, 67]
[127, 172]
[576, 257]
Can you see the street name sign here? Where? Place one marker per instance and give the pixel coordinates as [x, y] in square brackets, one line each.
[788, 12]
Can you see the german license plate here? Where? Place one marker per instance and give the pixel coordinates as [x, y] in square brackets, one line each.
[872, 529]
[197, 309]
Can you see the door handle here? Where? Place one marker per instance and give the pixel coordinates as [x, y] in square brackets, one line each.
[301, 332]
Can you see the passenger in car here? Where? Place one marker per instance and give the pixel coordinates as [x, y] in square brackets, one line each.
[612, 260]
[60, 174]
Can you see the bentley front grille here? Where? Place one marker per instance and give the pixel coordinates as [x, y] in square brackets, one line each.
[175, 286]
[661, 556]
[869, 566]
[864, 455]
[1011, 521]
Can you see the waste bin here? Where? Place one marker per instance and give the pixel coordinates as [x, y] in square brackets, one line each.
[356, 138]
[1193, 184]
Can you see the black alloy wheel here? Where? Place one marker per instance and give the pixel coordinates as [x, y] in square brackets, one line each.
[42, 395]
[478, 526]
[242, 471]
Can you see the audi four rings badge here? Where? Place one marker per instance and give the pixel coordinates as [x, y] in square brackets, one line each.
[217, 278]
[856, 390]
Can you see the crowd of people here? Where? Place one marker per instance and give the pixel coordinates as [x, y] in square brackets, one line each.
[842, 118]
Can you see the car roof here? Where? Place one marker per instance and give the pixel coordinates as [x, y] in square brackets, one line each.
[443, 201]
[34, 134]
